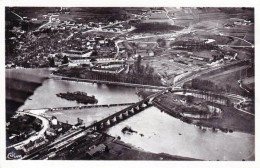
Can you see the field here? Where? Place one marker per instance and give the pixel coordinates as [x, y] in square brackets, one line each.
[155, 27]
[168, 66]
[249, 83]
[228, 79]
[158, 18]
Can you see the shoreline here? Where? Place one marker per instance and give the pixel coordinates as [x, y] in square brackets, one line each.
[204, 126]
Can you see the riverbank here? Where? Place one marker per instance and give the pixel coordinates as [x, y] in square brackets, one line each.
[119, 150]
[158, 132]
[230, 119]
[107, 82]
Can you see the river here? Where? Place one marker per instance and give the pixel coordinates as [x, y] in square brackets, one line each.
[45, 95]
[166, 134]
[162, 133]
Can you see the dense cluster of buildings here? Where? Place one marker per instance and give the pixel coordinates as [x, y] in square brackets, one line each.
[57, 38]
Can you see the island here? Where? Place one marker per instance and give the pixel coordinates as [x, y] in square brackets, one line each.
[80, 97]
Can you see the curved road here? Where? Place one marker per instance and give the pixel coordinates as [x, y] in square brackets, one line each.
[45, 124]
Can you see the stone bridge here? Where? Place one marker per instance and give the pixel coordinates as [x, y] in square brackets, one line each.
[125, 113]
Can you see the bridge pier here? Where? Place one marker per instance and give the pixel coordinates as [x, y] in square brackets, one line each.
[143, 105]
[107, 123]
[120, 117]
[131, 111]
[98, 127]
[125, 115]
[112, 122]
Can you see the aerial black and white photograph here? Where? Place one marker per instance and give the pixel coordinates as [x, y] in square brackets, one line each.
[130, 83]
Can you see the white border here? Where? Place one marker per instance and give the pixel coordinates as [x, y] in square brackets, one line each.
[126, 3]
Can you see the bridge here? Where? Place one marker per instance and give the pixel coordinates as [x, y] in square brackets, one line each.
[78, 107]
[98, 126]
[125, 113]
[158, 88]
[130, 111]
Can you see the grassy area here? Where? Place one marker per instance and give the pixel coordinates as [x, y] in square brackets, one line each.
[171, 63]
[224, 79]
[155, 27]
[231, 118]
[249, 83]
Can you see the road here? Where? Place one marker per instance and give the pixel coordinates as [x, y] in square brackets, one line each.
[231, 96]
[167, 14]
[117, 48]
[237, 38]
[17, 15]
[45, 23]
[241, 100]
[234, 46]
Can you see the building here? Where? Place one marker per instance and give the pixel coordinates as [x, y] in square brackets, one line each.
[76, 54]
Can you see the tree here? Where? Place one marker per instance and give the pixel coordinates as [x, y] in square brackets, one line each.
[65, 60]
[161, 42]
[51, 61]
[94, 53]
[228, 87]
[138, 64]
[189, 99]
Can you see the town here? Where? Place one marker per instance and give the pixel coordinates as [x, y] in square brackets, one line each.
[108, 83]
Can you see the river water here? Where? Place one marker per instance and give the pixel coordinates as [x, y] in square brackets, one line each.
[45, 95]
[162, 133]
[166, 134]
